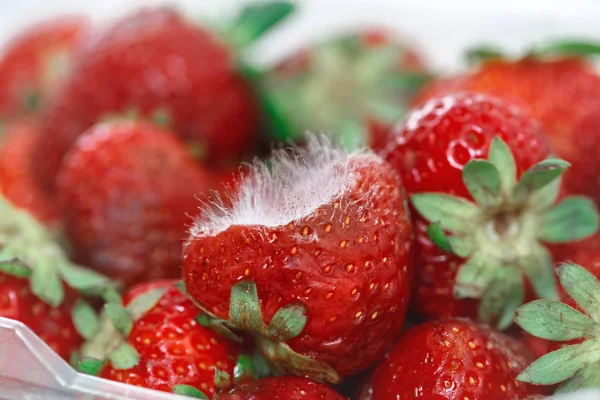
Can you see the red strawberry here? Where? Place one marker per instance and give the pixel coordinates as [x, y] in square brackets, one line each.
[312, 257]
[353, 86]
[454, 359]
[160, 65]
[158, 342]
[572, 326]
[562, 94]
[282, 388]
[38, 283]
[125, 191]
[17, 180]
[497, 224]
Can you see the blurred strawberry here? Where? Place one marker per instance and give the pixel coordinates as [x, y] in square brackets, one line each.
[282, 388]
[351, 87]
[17, 181]
[125, 190]
[562, 93]
[159, 65]
[34, 62]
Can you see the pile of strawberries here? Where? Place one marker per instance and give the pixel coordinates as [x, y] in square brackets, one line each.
[421, 245]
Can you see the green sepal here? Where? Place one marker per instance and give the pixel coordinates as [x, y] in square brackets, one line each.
[244, 368]
[504, 161]
[573, 219]
[538, 176]
[139, 306]
[567, 47]
[438, 237]
[190, 391]
[482, 179]
[120, 318]
[462, 246]
[408, 81]
[539, 269]
[287, 323]
[222, 379]
[261, 365]
[89, 366]
[553, 320]
[480, 54]
[584, 378]
[85, 319]
[501, 298]
[15, 267]
[559, 365]
[546, 197]
[46, 284]
[473, 277]
[452, 212]
[218, 326]
[125, 356]
[352, 135]
[582, 286]
[244, 307]
[82, 279]
[256, 19]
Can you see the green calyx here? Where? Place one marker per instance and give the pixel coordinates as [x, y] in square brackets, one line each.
[345, 84]
[28, 250]
[501, 233]
[575, 366]
[108, 341]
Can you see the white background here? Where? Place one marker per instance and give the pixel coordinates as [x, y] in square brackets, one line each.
[441, 28]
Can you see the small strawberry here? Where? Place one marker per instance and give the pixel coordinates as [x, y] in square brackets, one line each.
[38, 284]
[158, 341]
[125, 190]
[455, 359]
[282, 388]
[312, 256]
[574, 324]
[354, 87]
[17, 181]
[162, 66]
[460, 157]
[562, 93]
[34, 62]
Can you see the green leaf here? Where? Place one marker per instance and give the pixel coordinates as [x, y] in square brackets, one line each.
[187, 390]
[81, 278]
[582, 286]
[584, 378]
[85, 319]
[477, 55]
[90, 366]
[474, 276]
[452, 212]
[287, 323]
[120, 318]
[15, 267]
[483, 181]
[256, 19]
[144, 303]
[573, 219]
[438, 237]
[558, 365]
[538, 176]
[539, 269]
[244, 307]
[553, 320]
[46, 284]
[124, 357]
[568, 47]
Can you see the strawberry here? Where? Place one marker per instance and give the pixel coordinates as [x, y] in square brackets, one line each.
[35, 61]
[312, 256]
[282, 388]
[498, 224]
[455, 359]
[17, 180]
[156, 340]
[39, 286]
[562, 93]
[160, 65]
[124, 191]
[353, 86]
[572, 326]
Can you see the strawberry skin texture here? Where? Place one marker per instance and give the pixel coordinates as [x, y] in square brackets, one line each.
[429, 151]
[34, 63]
[282, 388]
[454, 359]
[17, 180]
[349, 269]
[174, 349]
[125, 191]
[153, 61]
[563, 95]
[54, 325]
